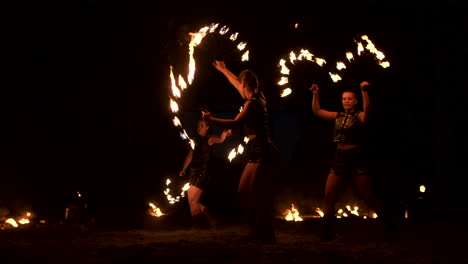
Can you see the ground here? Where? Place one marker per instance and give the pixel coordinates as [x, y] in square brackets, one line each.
[162, 241]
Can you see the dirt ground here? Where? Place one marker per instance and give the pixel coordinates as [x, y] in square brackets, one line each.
[163, 241]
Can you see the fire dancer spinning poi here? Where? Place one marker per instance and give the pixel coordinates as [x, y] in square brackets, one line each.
[198, 160]
[349, 163]
[256, 183]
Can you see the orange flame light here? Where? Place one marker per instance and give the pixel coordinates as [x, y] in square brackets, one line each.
[154, 210]
[292, 214]
[303, 55]
[15, 223]
[178, 87]
[360, 49]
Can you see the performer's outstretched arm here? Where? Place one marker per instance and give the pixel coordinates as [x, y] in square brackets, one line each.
[365, 102]
[220, 66]
[218, 139]
[229, 123]
[187, 162]
[324, 114]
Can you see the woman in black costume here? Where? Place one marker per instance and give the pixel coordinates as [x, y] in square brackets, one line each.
[198, 159]
[256, 182]
[349, 163]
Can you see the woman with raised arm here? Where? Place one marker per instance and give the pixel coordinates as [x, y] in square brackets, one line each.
[256, 185]
[349, 163]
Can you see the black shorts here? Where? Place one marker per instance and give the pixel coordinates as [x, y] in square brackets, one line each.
[349, 162]
[198, 177]
[261, 150]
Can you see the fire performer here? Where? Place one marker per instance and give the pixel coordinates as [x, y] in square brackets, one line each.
[198, 159]
[256, 185]
[349, 162]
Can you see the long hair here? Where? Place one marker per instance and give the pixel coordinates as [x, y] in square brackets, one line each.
[250, 79]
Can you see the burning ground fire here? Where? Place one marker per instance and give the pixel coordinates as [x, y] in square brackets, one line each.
[294, 215]
[15, 223]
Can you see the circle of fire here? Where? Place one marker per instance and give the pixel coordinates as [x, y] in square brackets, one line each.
[360, 49]
[181, 83]
[303, 54]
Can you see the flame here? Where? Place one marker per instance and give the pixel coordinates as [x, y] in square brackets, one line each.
[245, 56]
[24, 221]
[21, 221]
[241, 46]
[320, 61]
[214, 27]
[182, 83]
[340, 65]
[292, 215]
[360, 48]
[195, 41]
[174, 106]
[233, 37]
[286, 92]
[173, 200]
[296, 25]
[11, 222]
[175, 89]
[384, 64]
[177, 121]
[240, 149]
[335, 77]
[320, 212]
[283, 80]
[232, 154]
[422, 188]
[303, 54]
[292, 57]
[223, 30]
[284, 69]
[155, 211]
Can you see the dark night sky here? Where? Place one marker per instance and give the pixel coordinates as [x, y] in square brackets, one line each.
[86, 105]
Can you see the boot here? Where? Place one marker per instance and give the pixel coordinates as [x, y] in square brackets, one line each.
[197, 221]
[390, 225]
[253, 234]
[327, 228]
[267, 233]
[211, 220]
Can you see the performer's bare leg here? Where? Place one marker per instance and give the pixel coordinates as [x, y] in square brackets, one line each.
[196, 208]
[333, 189]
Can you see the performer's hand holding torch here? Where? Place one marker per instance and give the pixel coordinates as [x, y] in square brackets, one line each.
[314, 88]
[365, 86]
